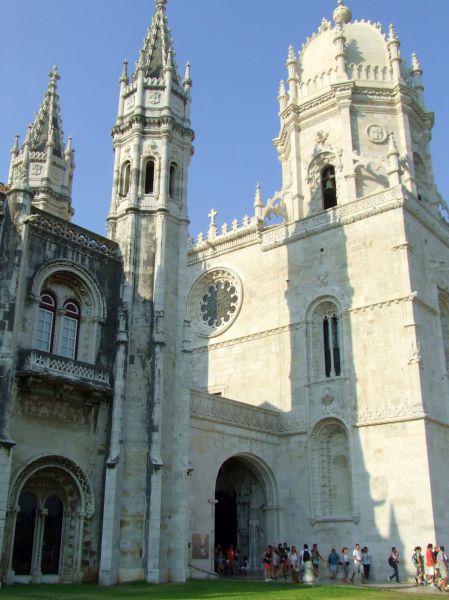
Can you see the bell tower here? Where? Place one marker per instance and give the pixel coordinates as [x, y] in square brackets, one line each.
[147, 466]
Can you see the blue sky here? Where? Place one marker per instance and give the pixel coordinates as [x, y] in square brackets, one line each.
[237, 49]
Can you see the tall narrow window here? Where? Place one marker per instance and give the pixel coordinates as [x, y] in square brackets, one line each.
[45, 322]
[125, 178]
[328, 187]
[149, 177]
[172, 181]
[69, 330]
[331, 346]
[24, 535]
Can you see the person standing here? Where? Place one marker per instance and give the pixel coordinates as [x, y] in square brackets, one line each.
[418, 561]
[393, 561]
[366, 563]
[266, 561]
[333, 561]
[430, 564]
[345, 564]
[357, 562]
[316, 557]
[441, 562]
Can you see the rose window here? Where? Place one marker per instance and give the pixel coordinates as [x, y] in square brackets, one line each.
[214, 302]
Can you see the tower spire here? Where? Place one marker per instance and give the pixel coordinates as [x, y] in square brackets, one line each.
[154, 55]
[44, 152]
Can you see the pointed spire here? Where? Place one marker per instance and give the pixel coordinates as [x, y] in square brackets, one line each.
[48, 118]
[154, 56]
[395, 53]
[392, 35]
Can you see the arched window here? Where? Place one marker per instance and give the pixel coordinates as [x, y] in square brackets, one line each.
[326, 341]
[172, 181]
[328, 187]
[149, 177]
[125, 178]
[68, 340]
[51, 548]
[24, 534]
[45, 322]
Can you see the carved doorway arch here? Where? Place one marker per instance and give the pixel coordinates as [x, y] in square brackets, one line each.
[53, 496]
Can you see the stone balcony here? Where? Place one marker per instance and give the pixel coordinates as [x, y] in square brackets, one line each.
[53, 368]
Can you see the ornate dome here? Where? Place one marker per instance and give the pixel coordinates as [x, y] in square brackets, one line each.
[366, 50]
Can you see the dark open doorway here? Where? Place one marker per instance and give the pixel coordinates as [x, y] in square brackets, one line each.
[225, 519]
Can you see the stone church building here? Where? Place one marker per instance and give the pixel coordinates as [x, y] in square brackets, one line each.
[283, 378]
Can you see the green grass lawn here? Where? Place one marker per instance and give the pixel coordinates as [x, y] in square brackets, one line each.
[197, 590]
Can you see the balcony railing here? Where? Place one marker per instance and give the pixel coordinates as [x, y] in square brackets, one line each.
[35, 361]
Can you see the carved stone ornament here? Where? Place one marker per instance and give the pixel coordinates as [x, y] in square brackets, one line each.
[376, 133]
[154, 97]
[36, 169]
[214, 302]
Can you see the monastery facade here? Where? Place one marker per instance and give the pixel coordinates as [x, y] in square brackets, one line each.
[279, 378]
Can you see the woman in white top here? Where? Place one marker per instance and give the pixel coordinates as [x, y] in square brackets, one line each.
[294, 565]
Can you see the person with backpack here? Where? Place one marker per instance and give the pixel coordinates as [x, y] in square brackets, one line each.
[393, 561]
[304, 560]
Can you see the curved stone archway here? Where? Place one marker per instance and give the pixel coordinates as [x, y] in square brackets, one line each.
[246, 507]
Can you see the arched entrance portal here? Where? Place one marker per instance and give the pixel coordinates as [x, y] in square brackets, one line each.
[240, 510]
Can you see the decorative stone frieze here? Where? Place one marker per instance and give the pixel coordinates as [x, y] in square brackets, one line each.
[203, 406]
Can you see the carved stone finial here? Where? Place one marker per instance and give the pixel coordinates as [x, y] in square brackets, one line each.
[282, 90]
[15, 147]
[213, 213]
[161, 4]
[392, 35]
[258, 197]
[124, 76]
[342, 14]
[54, 75]
[416, 66]
[291, 55]
[187, 79]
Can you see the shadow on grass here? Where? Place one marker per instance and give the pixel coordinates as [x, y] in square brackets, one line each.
[196, 590]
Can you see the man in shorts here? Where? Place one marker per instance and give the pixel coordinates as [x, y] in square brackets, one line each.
[357, 562]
